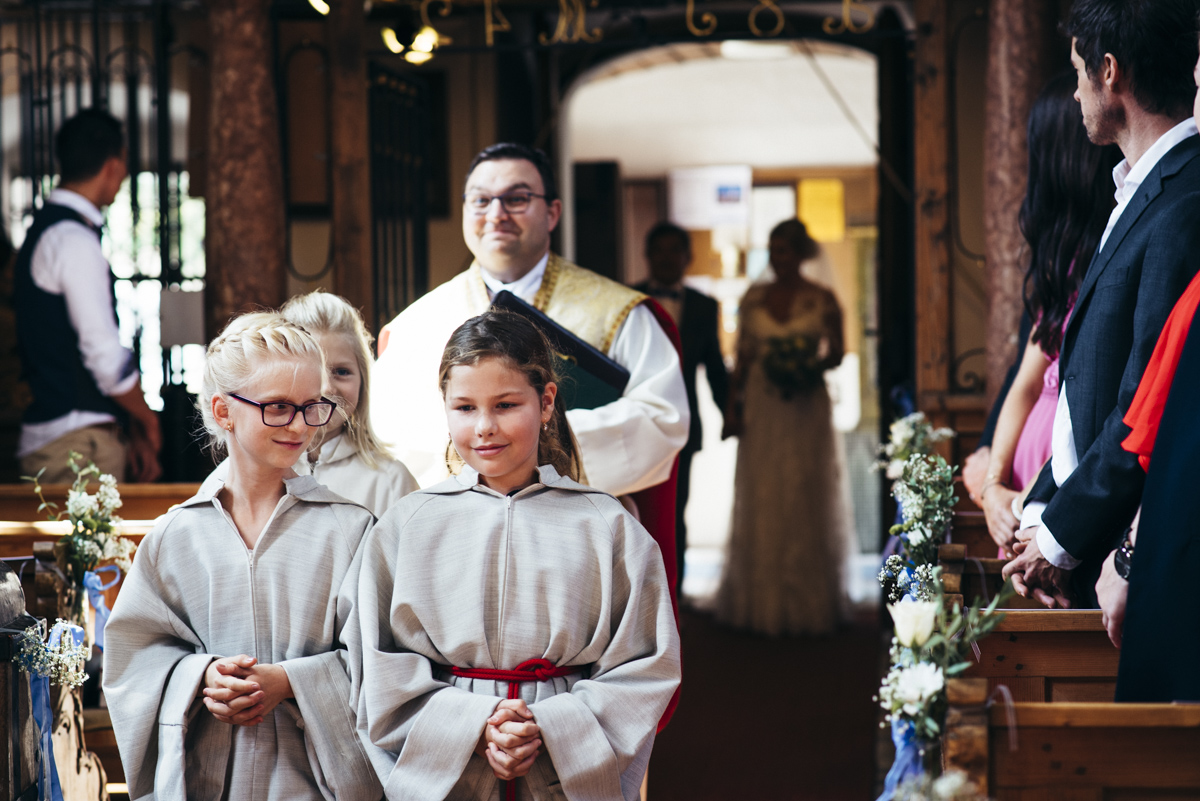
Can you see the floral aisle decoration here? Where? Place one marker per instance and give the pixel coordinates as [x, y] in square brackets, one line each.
[933, 643]
[56, 657]
[909, 436]
[793, 364]
[953, 785]
[925, 491]
[94, 538]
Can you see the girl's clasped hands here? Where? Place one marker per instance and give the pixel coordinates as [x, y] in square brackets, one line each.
[511, 740]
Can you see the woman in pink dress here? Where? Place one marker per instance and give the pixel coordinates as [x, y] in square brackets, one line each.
[1068, 199]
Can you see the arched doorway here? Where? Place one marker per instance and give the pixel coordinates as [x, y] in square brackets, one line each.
[791, 129]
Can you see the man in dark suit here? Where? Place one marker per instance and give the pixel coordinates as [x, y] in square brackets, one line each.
[1135, 63]
[668, 253]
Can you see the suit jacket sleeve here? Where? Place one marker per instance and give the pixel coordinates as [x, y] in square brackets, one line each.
[714, 362]
[1102, 495]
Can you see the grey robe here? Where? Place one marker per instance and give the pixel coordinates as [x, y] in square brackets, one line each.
[196, 593]
[458, 575]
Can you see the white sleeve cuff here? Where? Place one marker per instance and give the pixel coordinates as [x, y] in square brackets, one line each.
[125, 384]
[1054, 552]
[1031, 515]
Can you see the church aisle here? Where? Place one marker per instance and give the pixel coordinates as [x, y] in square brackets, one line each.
[765, 719]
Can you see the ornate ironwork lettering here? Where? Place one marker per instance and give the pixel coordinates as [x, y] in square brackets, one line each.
[572, 25]
[846, 24]
[708, 19]
[765, 5]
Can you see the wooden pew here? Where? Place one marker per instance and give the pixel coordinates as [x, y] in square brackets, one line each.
[139, 501]
[969, 528]
[1073, 751]
[1046, 655]
[967, 577]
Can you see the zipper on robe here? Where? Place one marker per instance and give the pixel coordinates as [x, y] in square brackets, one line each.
[508, 514]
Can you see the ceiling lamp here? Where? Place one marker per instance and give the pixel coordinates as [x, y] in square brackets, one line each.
[321, 7]
[390, 40]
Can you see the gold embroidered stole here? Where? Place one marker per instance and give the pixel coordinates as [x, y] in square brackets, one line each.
[591, 306]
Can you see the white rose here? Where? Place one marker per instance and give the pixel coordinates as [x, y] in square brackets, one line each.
[914, 621]
[895, 468]
[916, 685]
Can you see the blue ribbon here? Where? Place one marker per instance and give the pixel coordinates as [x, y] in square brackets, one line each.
[95, 587]
[49, 788]
[908, 758]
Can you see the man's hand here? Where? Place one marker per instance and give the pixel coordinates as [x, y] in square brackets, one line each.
[511, 740]
[229, 692]
[974, 471]
[1033, 575]
[1112, 590]
[997, 509]
[145, 436]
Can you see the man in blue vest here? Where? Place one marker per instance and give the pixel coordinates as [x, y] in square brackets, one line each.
[86, 387]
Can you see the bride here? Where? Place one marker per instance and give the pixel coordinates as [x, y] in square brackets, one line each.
[790, 533]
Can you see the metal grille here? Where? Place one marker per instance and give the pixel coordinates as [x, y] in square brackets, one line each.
[57, 58]
[399, 140]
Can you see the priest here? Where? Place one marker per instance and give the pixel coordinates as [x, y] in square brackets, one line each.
[629, 446]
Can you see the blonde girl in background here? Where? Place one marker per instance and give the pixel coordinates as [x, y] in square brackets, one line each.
[347, 456]
[223, 673]
[517, 638]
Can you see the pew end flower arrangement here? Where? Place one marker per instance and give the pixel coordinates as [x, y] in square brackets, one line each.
[934, 642]
[909, 436]
[925, 493]
[94, 537]
[58, 655]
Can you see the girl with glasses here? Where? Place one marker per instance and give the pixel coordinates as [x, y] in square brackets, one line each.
[516, 638]
[222, 671]
[346, 455]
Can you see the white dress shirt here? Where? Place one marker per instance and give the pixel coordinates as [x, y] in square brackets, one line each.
[1063, 456]
[68, 261]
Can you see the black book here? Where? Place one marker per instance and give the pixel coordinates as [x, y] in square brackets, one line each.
[588, 378]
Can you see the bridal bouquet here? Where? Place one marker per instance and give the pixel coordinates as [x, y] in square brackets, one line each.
[909, 436]
[793, 364]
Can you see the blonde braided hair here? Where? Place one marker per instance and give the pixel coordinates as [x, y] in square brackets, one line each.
[248, 343]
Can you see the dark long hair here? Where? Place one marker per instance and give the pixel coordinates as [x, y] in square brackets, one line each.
[1068, 199]
[499, 334]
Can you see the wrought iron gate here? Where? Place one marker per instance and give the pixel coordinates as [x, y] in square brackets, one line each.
[399, 142]
[57, 58]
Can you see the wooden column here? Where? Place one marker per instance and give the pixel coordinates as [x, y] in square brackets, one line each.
[349, 145]
[245, 236]
[1021, 44]
[931, 206]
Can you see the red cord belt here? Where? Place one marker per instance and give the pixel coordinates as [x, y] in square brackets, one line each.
[529, 670]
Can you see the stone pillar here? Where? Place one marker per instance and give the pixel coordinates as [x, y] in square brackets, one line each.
[353, 274]
[245, 209]
[1022, 55]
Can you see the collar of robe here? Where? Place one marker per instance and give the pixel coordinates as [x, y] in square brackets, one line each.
[303, 488]
[468, 479]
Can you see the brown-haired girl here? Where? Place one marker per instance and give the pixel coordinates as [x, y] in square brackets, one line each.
[515, 624]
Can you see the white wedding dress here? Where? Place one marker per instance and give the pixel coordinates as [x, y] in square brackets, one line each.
[791, 526]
